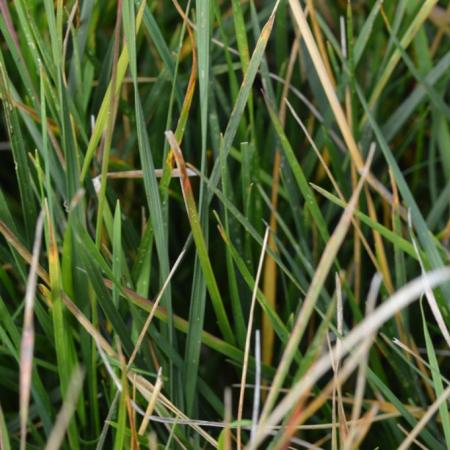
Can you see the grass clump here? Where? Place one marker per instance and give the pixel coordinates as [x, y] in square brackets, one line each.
[224, 224]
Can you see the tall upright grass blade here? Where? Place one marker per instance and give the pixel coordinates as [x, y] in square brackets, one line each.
[210, 280]
[437, 380]
[28, 336]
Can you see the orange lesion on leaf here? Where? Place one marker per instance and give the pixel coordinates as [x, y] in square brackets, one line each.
[185, 183]
[52, 125]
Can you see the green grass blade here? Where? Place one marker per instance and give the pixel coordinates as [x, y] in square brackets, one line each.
[408, 36]
[437, 379]
[244, 92]
[395, 122]
[210, 279]
[117, 252]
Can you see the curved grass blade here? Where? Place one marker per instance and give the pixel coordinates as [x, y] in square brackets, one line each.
[63, 340]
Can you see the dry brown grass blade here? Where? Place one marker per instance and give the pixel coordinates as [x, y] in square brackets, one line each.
[62, 421]
[342, 122]
[436, 15]
[151, 403]
[69, 29]
[416, 442]
[344, 373]
[136, 174]
[134, 439]
[352, 342]
[424, 420]
[330, 93]
[327, 85]
[355, 432]
[125, 401]
[227, 437]
[334, 444]
[248, 337]
[146, 389]
[440, 17]
[340, 332]
[337, 403]
[363, 426]
[21, 250]
[257, 394]
[319, 39]
[355, 222]
[154, 308]
[27, 343]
